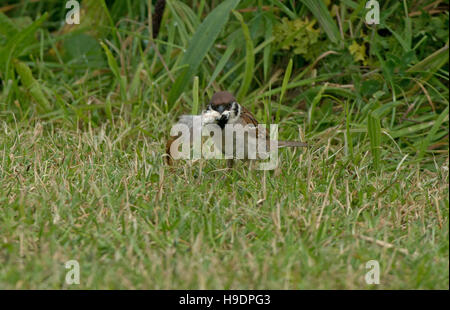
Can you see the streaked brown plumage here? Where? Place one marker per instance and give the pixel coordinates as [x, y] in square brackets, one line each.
[232, 112]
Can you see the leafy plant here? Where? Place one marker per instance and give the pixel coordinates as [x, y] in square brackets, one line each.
[298, 35]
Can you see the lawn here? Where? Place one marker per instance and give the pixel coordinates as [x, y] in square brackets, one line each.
[86, 110]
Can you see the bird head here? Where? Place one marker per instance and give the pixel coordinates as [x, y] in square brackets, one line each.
[222, 109]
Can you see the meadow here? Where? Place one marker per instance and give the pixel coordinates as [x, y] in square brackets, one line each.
[86, 110]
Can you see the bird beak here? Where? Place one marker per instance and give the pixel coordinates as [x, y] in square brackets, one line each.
[224, 118]
[210, 117]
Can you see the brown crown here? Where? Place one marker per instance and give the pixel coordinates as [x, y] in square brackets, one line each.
[222, 97]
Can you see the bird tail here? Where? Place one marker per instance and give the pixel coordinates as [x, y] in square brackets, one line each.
[291, 144]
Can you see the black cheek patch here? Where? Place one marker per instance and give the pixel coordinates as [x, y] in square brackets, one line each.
[222, 121]
[236, 109]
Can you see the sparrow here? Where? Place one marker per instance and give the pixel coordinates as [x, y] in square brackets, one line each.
[224, 109]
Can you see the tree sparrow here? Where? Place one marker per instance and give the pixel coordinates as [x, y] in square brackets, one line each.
[223, 109]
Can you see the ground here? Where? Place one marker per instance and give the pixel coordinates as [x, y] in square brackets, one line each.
[104, 198]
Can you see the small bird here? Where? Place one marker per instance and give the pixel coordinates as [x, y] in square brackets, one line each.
[223, 109]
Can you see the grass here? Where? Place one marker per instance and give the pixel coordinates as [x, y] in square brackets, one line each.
[102, 196]
[82, 136]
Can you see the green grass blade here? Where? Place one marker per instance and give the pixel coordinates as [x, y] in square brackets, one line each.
[349, 138]
[410, 130]
[195, 104]
[257, 49]
[32, 86]
[222, 62]
[116, 71]
[203, 39]
[268, 49]
[284, 85]
[136, 80]
[374, 131]
[314, 103]
[433, 61]
[7, 26]
[321, 13]
[16, 44]
[284, 8]
[432, 133]
[249, 59]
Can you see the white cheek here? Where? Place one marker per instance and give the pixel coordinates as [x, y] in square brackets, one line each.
[210, 117]
[233, 118]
